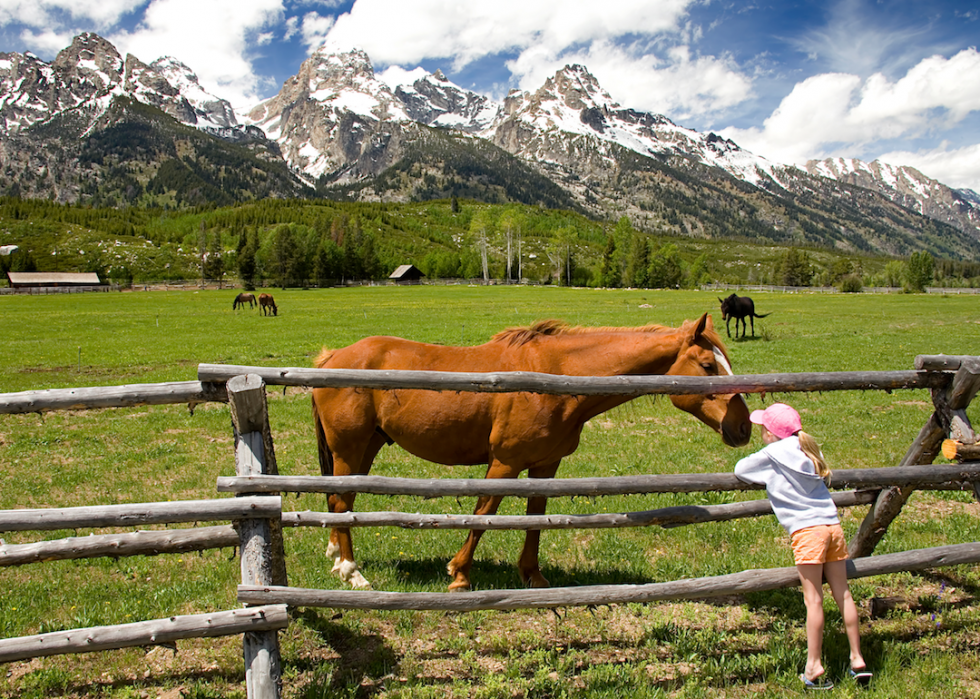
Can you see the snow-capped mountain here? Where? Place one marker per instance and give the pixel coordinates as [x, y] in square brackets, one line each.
[89, 73]
[434, 100]
[546, 124]
[907, 187]
[337, 124]
[330, 113]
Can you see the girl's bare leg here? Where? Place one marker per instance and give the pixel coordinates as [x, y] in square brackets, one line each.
[836, 573]
[811, 579]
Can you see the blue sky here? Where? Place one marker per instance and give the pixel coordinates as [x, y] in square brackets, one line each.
[789, 80]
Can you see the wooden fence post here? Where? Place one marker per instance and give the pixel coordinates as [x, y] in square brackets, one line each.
[950, 419]
[249, 415]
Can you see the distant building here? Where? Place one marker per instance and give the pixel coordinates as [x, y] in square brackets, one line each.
[46, 280]
[406, 274]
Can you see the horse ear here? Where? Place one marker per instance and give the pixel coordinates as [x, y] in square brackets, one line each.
[704, 322]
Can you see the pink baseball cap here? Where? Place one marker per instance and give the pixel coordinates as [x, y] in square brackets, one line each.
[779, 418]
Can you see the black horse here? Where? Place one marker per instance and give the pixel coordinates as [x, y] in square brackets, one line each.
[738, 307]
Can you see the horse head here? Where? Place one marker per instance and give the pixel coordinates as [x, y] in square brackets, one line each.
[703, 354]
[727, 306]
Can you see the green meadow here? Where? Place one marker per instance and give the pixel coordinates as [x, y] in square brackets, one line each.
[926, 644]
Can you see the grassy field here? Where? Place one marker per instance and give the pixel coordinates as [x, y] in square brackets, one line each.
[751, 645]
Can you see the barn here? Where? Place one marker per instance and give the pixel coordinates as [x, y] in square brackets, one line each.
[406, 274]
[40, 282]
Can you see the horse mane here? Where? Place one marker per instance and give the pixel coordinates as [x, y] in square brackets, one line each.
[519, 336]
[515, 337]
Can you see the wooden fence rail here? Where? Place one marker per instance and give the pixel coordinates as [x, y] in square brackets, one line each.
[145, 633]
[127, 396]
[140, 543]
[131, 514]
[591, 595]
[666, 517]
[962, 475]
[532, 382]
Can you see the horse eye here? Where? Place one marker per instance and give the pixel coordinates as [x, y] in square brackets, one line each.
[707, 366]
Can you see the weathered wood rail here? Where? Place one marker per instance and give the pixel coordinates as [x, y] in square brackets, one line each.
[139, 543]
[590, 595]
[146, 633]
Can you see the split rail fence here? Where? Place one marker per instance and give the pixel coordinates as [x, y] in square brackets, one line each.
[953, 382]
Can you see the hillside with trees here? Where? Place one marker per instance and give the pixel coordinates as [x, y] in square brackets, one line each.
[297, 243]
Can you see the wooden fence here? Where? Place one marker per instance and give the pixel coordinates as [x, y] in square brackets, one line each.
[952, 380]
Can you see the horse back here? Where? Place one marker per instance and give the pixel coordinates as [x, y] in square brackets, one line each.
[447, 427]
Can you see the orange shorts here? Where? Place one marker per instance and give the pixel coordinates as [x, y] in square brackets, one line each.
[822, 543]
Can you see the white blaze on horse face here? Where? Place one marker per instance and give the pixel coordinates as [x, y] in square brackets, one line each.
[722, 362]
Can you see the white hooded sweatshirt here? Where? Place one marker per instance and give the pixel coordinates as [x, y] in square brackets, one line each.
[799, 497]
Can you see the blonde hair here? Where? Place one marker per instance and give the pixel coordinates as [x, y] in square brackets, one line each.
[810, 447]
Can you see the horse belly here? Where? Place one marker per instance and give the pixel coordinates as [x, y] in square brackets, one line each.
[451, 429]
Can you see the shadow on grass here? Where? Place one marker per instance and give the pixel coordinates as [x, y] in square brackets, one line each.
[365, 659]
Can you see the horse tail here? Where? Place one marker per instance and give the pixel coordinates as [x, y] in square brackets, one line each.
[322, 358]
[763, 315]
[323, 449]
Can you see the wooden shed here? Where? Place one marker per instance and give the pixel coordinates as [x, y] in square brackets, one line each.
[406, 274]
[37, 280]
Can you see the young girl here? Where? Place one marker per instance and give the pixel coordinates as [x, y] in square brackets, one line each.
[792, 468]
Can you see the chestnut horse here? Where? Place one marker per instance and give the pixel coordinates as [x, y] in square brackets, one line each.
[510, 432]
[241, 300]
[267, 305]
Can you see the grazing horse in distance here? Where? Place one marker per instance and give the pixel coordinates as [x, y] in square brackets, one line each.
[267, 305]
[242, 299]
[739, 307]
[509, 432]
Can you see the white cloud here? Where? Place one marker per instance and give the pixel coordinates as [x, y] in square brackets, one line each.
[547, 37]
[213, 38]
[408, 31]
[315, 28]
[48, 41]
[839, 114]
[44, 13]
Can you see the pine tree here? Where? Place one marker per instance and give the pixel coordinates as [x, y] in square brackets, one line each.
[214, 264]
[609, 275]
[795, 268]
[248, 246]
[638, 262]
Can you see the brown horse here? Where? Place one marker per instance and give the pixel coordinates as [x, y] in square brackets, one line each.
[511, 432]
[242, 299]
[267, 305]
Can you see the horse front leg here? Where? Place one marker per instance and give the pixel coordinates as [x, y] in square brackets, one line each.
[459, 566]
[528, 564]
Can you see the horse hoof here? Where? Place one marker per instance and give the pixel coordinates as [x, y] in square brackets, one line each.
[535, 580]
[358, 581]
[459, 586]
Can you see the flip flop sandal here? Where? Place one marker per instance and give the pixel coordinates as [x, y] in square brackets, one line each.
[820, 683]
[862, 676]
